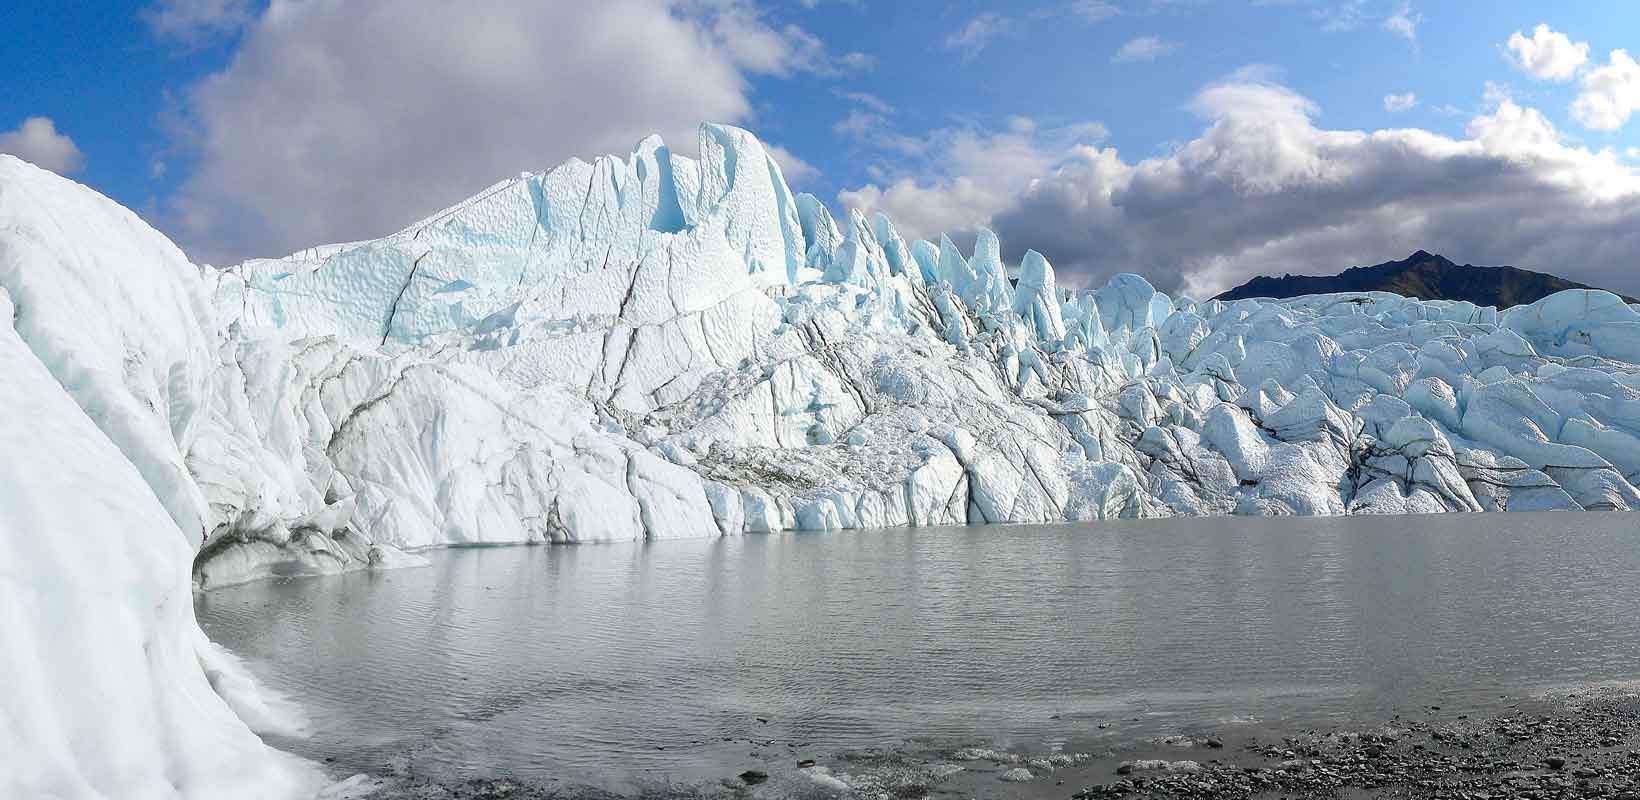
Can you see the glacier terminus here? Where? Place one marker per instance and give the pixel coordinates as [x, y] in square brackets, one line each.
[659, 346]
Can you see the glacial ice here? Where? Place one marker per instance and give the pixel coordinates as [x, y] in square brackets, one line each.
[659, 346]
[108, 688]
[691, 316]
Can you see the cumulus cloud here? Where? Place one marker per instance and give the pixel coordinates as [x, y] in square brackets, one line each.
[342, 119]
[37, 141]
[1264, 190]
[1547, 55]
[1144, 48]
[1396, 103]
[1611, 94]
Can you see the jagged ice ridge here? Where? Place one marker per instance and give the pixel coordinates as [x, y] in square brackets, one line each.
[662, 346]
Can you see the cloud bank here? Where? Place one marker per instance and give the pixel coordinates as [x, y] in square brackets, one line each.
[1262, 189]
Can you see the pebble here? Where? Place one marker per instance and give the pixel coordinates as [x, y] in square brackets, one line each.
[1511, 755]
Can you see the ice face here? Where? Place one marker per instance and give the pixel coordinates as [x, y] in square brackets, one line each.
[102, 366]
[659, 346]
[812, 374]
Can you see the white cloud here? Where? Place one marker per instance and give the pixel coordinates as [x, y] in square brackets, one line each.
[954, 179]
[856, 62]
[868, 100]
[1404, 22]
[979, 32]
[313, 134]
[37, 141]
[1345, 16]
[192, 20]
[986, 28]
[741, 31]
[1094, 10]
[869, 126]
[858, 123]
[1548, 55]
[1611, 94]
[1349, 15]
[795, 170]
[1396, 103]
[1264, 190]
[1144, 48]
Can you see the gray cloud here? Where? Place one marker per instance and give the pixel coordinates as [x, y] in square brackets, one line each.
[341, 120]
[955, 179]
[1263, 190]
[36, 140]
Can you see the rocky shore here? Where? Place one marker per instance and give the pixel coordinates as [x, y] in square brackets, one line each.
[1576, 745]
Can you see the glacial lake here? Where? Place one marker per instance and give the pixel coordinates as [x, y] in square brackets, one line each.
[685, 661]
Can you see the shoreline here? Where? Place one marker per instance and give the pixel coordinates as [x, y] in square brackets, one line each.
[1578, 744]
[1583, 743]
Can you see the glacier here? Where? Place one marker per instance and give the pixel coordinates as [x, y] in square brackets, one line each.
[659, 346]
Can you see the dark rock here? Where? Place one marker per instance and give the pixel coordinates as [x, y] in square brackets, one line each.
[1422, 275]
[753, 777]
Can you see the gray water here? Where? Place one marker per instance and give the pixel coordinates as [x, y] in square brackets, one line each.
[615, 664]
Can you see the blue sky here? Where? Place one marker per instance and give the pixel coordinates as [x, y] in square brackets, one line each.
[978, 110]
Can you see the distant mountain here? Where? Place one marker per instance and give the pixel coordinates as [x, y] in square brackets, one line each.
[1422, 275]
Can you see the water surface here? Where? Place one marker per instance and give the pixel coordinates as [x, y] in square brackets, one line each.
[616, 664]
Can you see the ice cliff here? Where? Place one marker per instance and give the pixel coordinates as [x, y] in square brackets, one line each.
[105, 355]
[660, 346]
[663, 346]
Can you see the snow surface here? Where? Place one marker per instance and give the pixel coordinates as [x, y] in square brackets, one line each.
[660, 346]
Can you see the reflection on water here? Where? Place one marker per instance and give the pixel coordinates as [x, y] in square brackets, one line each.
[604, 663]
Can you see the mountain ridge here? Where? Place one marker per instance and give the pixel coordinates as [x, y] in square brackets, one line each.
[1422, 275]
